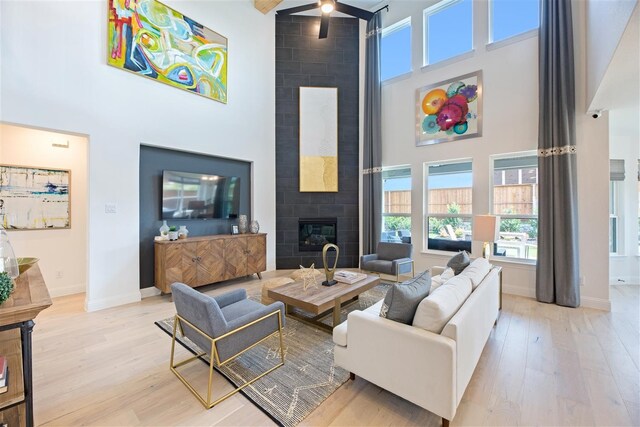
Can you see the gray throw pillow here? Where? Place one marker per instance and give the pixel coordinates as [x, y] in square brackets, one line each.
[459, 262]
[402, 299]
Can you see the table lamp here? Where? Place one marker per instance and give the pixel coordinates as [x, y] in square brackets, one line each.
[486, 228]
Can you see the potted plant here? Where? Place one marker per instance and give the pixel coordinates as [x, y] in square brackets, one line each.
[173, 233]
[6, 286]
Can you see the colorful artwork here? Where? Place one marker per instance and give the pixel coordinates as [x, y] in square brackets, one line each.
[449, 110]
[151, 39]
[318, 139]
[34, 198]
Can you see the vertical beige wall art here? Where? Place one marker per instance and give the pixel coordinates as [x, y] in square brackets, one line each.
[318, 139]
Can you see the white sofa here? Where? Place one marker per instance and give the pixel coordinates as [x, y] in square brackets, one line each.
[431, 370]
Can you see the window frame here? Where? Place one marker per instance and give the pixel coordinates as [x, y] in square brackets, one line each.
[614, 215]
[492, 184]
[523, 35]
[426, 215]
[400, 215]
[390, 29]
[432, 10]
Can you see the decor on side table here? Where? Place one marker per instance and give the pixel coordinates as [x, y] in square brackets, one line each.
[318, 139]
[449, 110]
[164, 230]
[329, 271]
[254, 227]
[26, 263]
[8, 261]
[183, 232]
[486, 229]
[242, 224]
[173, 233]
[6, 286]
[25, 191]
[151, 39]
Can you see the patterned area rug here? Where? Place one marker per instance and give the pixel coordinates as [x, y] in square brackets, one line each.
[308, 377]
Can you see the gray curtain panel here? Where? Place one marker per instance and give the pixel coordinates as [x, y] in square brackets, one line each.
[372, 150]
[557, 273]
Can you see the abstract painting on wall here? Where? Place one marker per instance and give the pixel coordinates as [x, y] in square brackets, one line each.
[34, 198]
[151, 39]
[449, 110]
[318, 139]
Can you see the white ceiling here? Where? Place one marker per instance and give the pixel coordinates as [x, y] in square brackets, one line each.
[362, 4]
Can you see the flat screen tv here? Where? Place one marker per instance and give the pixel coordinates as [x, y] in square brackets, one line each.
[187, 195]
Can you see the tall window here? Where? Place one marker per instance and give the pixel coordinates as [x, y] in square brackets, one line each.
[448, 30]
[396, 205]
[508, 18]
[449, 205]
[515, 199]
[395, 50]
[613, 217]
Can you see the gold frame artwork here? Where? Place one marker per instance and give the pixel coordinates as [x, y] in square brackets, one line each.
[318, 146]
[215, 358]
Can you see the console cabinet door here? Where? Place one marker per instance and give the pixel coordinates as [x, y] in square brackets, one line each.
[188, 264]
[210, 266]
[256, 254]
[235, 257]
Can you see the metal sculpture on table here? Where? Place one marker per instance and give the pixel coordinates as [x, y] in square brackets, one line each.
[329, 271]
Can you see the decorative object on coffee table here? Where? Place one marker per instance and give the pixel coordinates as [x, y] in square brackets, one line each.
[308, 276]
[329, 271]
[254, 227]
[242, 224]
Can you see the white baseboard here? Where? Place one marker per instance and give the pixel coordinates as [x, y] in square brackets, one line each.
[597, 303]
[521, 291]
[102, 303]
[61, 291]
[151, 291]
[590, 302]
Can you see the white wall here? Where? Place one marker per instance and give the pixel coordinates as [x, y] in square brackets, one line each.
[510, 121]
[606, 21]
[62, 253]
[65, 84]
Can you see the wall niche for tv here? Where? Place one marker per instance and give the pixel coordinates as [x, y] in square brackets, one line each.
[155, 160]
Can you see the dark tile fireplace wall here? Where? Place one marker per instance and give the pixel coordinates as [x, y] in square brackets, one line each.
[304, 60]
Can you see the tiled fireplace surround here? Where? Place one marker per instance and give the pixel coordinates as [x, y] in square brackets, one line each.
[304, 60]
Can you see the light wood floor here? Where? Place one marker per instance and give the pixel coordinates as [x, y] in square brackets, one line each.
[543, 365]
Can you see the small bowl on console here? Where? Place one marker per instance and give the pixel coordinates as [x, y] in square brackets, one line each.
[26, 263]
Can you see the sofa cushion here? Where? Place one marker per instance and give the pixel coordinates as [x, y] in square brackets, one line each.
[402, 299]
[441, 305]
[340, 334]
[441, 278]
[459, 262]
[375, 308]
[476, 271]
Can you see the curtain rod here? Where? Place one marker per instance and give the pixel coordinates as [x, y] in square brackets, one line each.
[382, 8]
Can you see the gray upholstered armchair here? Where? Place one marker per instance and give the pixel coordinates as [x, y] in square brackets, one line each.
[390, 258]
[223, 327]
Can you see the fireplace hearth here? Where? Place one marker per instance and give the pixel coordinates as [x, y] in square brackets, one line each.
[314, 233]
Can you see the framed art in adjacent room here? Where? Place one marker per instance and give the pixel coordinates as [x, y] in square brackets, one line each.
[151, 39]
[34, 198]
[318, 139]
[449, 110]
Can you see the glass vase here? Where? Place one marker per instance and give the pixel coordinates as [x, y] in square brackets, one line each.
[8, 261]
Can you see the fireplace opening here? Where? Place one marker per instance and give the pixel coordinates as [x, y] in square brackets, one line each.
[314, 233]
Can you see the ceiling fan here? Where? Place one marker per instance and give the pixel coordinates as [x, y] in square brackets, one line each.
[328, 6]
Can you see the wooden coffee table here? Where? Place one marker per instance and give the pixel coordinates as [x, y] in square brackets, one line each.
[320, 299]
